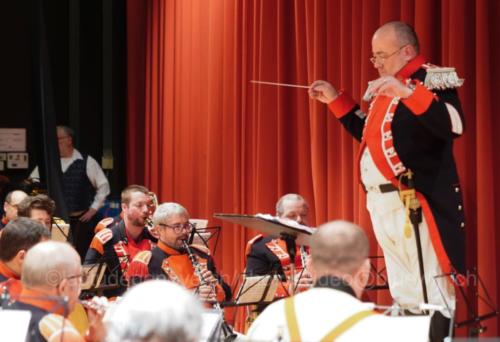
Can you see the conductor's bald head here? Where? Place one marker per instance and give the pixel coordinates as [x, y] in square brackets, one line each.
[340, 248]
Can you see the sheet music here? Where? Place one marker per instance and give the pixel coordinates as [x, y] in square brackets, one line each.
[253, 289]
[59, 232]
[94, 275]
[14, 324]
[286, 222]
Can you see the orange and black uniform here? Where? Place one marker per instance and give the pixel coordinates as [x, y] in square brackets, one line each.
[47, 317]
[3, 222]
[117, 253]
[10, 281]
[164, 262]
[268, 255]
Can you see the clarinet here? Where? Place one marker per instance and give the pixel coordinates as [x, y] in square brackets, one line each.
[195, 263]
[303, 257]
[227, 331]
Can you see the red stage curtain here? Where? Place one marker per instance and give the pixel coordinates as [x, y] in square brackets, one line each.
[202, 135]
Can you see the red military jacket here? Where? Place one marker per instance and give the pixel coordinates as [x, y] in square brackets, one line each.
[417, 133]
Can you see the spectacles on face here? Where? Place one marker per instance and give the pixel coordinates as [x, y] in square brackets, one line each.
[178, 228]
[382, 58]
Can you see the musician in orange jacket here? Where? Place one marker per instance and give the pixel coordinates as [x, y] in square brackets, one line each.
[172, 259]
[17, 238]
[267, 255]
[118, 245]
[52, 279]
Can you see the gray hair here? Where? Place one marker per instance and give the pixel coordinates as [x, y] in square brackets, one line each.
[288, 197]
[165, 210]
[157, 310]
[339, 245]
[47, 263]
[67, 130]
[15, 197]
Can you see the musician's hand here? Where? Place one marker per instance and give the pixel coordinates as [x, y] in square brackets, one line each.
[322, 91]
[95, 312]
[389, 86]
[88, 215]
[207, 274]
[207, 293]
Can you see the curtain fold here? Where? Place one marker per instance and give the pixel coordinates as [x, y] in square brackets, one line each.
[202, 135]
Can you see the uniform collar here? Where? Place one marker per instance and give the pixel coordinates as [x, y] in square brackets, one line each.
[39, 299]
[167, 249]
[410, 68]
[7, 272]
[332, 282]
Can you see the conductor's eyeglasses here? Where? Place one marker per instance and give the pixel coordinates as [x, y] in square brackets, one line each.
[383, 58]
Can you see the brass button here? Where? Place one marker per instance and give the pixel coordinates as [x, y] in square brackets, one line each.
[457, 189]
[462, 225]
[459, 207]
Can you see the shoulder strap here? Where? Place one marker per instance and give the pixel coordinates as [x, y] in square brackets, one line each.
[346, 325]
[291, 319]
[251, 242]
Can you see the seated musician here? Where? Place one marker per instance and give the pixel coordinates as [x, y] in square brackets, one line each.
[268, 255]
[39, 208]
[171, 258]
[10, 205]
[51, 280]
[119, 245]
[140, 316]
[18, 236]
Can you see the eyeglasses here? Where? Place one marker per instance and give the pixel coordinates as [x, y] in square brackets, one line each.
[383, 58]
[178, 228]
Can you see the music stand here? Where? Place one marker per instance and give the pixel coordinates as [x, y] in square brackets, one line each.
[60, 231]
[378, 276]
[95, 275]
[271, 225]
[257, 290]
[204, 237]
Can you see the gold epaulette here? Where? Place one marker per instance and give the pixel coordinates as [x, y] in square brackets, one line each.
[201, 248]
[143, 256]
[441, 78]
[53, 327]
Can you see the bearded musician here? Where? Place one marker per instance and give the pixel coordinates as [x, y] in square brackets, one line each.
[118, 245]
[175, 260]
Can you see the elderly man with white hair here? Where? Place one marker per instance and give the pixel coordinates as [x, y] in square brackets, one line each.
[51, 279]
[141, 316]
[174, 260]
[10, 204]
[331, 310]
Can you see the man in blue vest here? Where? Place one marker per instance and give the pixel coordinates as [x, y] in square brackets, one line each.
[85, 188]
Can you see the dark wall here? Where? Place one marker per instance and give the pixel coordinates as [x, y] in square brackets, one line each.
[78, 97]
